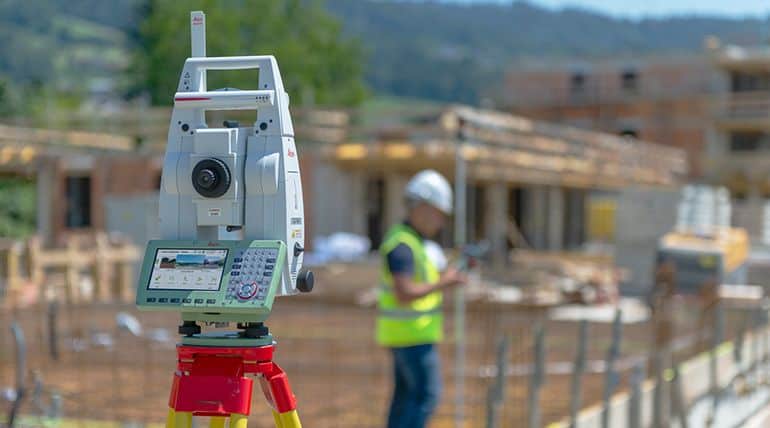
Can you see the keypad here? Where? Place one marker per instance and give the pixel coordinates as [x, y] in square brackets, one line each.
[251, 274]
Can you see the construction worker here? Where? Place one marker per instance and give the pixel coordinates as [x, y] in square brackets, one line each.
[409, 321]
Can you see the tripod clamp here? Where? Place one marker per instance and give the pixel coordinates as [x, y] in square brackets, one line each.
[212, 381]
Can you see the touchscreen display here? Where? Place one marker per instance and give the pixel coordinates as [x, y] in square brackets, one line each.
[187, 269]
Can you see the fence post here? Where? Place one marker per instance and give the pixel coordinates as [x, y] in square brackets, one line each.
[764, 332]
[21, 370]
[738, 349]
[677, 398]
[756, 345]
[635, 403]
[536, 378]
[658, 419]
[496, 396]
[53, 329]
[716, 340]
[577, 374]
[611, 376]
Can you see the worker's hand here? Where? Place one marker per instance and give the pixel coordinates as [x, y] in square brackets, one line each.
[453, 277]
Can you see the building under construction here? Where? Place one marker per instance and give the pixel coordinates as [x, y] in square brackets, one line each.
[712, 104]
[530, 183]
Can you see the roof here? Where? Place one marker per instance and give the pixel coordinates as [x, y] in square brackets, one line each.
[501, 146]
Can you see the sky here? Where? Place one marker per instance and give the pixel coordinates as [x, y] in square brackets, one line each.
[657, 8]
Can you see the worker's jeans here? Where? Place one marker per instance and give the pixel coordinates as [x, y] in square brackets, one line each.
[417, 386]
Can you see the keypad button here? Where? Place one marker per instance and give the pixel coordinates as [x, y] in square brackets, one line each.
[175, 300]
[163, 300]
[151, 300]
[210, 301]
[198, 301]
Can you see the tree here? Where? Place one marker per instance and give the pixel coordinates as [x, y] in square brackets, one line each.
[17, 207]
[318, 65]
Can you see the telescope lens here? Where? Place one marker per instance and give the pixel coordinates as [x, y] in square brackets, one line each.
[211, 178]
[207, 179]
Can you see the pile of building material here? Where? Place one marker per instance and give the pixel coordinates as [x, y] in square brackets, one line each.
[564, 278]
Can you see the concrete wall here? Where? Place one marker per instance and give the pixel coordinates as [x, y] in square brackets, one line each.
[642, 217]
[338, 203]
[135, 216]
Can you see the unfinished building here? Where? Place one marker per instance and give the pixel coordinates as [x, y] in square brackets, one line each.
[530, 184]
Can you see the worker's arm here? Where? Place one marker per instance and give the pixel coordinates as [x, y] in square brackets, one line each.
[400, 262]
[406, 290]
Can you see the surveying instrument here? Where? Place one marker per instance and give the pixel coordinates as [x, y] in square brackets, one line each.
[243, 183]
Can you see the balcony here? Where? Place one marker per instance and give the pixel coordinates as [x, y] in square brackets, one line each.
[745, 111]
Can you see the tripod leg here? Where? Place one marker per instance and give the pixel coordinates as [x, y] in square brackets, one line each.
[277, 419]
[217, 422]
[288, 419]
[275, 386]
[183, 420]
[238, 421]
[171, 418]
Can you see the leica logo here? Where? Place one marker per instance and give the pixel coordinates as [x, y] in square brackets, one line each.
[290, 153]
[213, 244]
[197, 20]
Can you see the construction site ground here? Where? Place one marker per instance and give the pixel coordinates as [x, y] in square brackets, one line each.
[325, 343]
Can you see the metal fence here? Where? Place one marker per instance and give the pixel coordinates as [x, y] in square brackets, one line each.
[521, 368]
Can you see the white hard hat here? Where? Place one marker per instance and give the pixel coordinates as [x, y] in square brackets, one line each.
[432, 188]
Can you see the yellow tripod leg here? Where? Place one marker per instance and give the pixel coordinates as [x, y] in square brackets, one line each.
[288, 419]
[238, 421]
[277, 419]
[183, 420]
[217, 422]
[171, 418]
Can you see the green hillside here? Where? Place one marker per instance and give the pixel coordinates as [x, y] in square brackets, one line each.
[418, 49]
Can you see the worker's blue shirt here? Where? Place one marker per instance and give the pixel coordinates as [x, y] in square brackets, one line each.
[401, 260]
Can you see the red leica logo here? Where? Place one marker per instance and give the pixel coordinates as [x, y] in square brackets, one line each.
[290, 153]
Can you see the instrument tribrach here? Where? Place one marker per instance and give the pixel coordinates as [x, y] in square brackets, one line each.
[236, 182]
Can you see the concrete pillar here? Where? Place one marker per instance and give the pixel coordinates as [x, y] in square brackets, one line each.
[355, 215]
[575, 219]
[535, 216]
[555, 218]
[496, 221]
[46, 184]
[51, 189]
[99, 177]
[395, 210]
[756, 204]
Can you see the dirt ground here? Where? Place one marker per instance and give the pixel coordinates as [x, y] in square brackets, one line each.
[339, 375]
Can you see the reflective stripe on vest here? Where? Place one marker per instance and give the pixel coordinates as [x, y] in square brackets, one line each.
[419, 321]
[407, 313]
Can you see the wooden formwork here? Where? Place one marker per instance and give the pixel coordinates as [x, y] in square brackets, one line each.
[33, 272]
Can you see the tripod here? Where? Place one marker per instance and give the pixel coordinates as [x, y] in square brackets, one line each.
[211, 381]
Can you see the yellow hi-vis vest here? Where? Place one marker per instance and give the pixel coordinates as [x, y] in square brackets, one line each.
[419, 321]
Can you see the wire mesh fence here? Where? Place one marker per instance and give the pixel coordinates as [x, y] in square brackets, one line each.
[104, 371]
